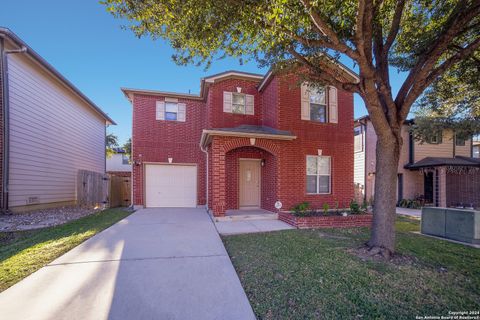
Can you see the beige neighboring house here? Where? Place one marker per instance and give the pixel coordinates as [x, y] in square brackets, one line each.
[50, 131]
[118, 163]
[441, 172]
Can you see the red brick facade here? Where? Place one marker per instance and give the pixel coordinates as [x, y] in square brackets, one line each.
[463, 189]
[283, 175]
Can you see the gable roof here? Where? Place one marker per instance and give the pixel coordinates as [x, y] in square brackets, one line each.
[6, 33]
[206, 81]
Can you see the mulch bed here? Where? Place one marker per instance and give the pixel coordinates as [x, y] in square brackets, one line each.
[42, 218]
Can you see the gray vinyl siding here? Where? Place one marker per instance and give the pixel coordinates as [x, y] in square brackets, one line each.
[53, 134]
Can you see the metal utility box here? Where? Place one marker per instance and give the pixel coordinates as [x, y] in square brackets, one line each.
[457, 224]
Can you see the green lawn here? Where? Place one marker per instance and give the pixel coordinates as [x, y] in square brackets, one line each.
[24, 252]
[311, 274]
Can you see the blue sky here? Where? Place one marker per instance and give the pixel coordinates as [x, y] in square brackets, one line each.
[87, 45]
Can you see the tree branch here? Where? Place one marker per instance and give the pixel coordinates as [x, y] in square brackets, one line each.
[326, 31]
[397, 17]
[457, 21]
[460, 55]
[420, 86]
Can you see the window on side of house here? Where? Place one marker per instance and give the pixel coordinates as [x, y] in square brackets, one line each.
[125, 159]
[238, 103]
[171, 111]
[318, 174]
[318, 104]
[358, 138]
[459, 142]
[476, 151]
[435, 138]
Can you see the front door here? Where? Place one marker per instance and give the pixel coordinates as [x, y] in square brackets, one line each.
[249, 184]
[428, 187]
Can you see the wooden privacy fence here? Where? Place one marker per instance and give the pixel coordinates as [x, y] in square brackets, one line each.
[91, 188]
[120, 191]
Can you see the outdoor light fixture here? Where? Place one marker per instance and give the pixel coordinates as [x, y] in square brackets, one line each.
[139, 161]
[262, 163]
[170, 160]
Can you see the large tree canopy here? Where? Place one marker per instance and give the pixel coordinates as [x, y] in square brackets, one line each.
[424, 38]
[451, 102]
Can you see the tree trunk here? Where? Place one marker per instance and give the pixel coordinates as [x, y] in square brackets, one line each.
[382, 238]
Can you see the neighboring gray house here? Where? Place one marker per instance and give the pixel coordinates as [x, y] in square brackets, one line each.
[50, 131]
[119, 163]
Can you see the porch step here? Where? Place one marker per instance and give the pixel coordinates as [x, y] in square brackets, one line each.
[242, 217]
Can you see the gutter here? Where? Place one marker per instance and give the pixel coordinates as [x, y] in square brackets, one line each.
[6, 120]
[204, 150]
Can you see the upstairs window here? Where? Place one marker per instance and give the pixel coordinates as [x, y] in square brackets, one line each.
[476, 151]
[318, 105]
[435, 138]
[238, 103]
[318, 175]
[459, 141]
[358, 138]
[171, 110]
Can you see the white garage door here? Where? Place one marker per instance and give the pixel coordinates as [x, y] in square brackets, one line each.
[170, 185]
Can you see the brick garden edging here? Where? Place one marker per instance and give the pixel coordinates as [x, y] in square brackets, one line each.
[358, 220]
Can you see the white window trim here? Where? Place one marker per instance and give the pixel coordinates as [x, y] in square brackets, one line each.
[318, 175]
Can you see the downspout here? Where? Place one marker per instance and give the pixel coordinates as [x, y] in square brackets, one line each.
[204, 150]
[6, 120]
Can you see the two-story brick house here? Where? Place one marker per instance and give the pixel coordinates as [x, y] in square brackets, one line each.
[245, 142]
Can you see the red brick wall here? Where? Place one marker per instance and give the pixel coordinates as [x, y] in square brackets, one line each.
[364, 220]
[268, 176]
[463, 189]
[334, 139]
[156, 141]
[218, 119]
[270, 104]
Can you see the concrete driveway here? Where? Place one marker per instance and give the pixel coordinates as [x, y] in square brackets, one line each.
[155, 264]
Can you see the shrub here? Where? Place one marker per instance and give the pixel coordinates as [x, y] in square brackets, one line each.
[326, 207]
[301, 209]
[354, 207]
[410, 203]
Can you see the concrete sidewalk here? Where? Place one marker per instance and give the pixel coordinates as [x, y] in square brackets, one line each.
[155, 264]
[251, 226]
[410, 212]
